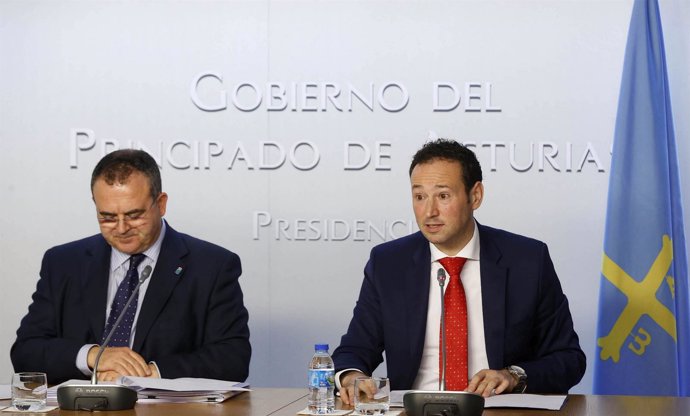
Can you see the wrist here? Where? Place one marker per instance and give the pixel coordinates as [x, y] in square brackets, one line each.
[519, 376]
[341, 376]
[91, 356]
[348, 377]
[155, 373]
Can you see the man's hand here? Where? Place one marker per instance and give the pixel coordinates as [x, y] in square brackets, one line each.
[347, 387]
[117, 361]
[490, 382]
[154, 371]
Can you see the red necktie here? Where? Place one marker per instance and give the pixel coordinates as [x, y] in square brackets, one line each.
[456, 326]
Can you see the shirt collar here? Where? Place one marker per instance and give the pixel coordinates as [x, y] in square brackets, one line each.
[118, 258]
[470, 251]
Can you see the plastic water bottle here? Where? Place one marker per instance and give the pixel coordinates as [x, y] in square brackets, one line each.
[321, 381]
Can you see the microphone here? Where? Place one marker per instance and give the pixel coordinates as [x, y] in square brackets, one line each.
[442, 402]
[96, 396]
[441, 278]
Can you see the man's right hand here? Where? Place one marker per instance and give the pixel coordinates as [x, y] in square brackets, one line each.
[118, 361]
[347, 389]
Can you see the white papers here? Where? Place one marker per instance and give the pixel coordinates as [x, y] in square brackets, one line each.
[11, 409]
[397, 397]
[5, 392]
[341, 412]
[520, 401]
[52, 391]
[336, 412]
[184, 389]
[181, 390]
[526, 401]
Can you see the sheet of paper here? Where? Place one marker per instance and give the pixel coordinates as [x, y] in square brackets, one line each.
[182, 384]
[397, 397]
[526, 401]
[52, 391]
[46, 409]
[337, 412]
[340, 412]
[5, 392]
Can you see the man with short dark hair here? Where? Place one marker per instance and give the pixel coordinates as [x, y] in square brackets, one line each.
[507, 326]
[188, 319]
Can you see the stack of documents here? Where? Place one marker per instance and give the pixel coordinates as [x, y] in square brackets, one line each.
[184, 390]
[181, 390]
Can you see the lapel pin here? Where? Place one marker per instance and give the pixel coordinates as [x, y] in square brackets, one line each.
[178, 271]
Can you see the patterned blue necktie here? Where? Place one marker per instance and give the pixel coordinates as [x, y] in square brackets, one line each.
[124, 291]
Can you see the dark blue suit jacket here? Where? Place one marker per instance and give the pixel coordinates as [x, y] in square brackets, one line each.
[192, 323]
[526, 317]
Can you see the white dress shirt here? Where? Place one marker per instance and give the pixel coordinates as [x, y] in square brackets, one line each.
[428, 375]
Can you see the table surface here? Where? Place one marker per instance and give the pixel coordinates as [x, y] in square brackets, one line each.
[289, 401]
[576, 405]
[258, 402]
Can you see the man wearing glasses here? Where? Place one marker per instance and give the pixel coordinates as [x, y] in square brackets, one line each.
[188, 319]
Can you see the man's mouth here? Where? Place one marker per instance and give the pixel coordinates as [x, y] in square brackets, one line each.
[434, 227]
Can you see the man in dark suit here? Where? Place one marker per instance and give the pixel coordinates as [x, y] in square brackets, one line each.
[519, 331]
[189, 319]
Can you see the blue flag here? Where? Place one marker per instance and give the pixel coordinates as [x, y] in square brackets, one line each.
[642, 334]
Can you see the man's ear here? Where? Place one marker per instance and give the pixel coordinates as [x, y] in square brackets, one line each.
[477, 195]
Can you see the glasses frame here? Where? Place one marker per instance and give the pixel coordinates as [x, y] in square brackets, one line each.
[132, 219]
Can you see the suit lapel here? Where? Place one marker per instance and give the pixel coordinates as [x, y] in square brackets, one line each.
[417, 292]
[95, 277]
[493, 278]
[163, 281]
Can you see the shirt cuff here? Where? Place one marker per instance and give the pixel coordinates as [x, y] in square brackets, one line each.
[82, 359]
[157, 369]
[340, 373]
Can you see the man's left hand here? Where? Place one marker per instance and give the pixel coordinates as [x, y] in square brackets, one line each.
[490, 382]
[112, 375]
[154, 371]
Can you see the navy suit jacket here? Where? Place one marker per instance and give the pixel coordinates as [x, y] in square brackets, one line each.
[527, 321]
[192, 322]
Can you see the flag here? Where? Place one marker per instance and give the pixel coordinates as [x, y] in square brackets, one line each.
[642, 331]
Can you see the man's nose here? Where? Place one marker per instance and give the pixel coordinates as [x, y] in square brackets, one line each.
[122, 225]
[431, 208]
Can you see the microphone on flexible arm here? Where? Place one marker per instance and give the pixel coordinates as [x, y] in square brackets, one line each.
[442, 402]
[96, 396]
[441, 279]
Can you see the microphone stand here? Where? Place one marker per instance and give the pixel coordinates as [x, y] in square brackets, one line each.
[441, 278]
[144, 276]
[96, 396]
[442, 402]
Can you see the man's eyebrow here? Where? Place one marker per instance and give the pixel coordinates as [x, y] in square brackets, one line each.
[130, 212]
[442, 186]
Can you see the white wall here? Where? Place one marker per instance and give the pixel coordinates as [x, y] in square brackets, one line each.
[123, 73]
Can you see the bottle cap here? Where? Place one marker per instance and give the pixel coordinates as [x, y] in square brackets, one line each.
[321, 347]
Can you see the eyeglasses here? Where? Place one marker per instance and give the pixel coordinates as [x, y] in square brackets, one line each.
[133, 219]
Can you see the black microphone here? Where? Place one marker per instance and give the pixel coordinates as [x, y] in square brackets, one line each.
[96, 396]
[441, 278]
[442, 402]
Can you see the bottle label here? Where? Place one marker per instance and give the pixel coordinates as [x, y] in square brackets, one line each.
[321, 378]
